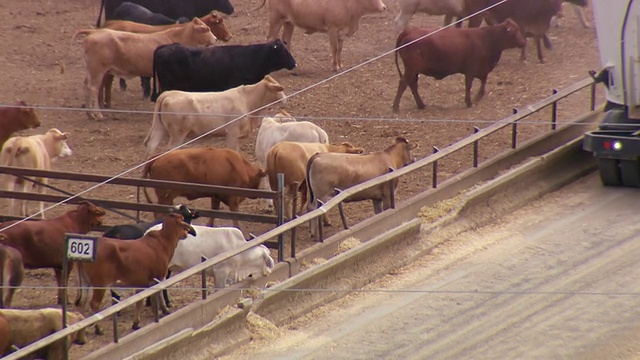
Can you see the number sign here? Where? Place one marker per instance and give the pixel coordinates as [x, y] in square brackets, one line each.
[81, 247]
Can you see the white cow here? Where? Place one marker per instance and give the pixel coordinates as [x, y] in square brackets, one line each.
[197, 113]
[283, 127]
[338, 18]
[448, 8]
[35, 152]
[213, 241]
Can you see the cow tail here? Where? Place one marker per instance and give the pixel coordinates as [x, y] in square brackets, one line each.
[398, 42]
[311, 195]
[83, 283]
[73, 40]
[100, 13]
[146, 171]
[270, 164]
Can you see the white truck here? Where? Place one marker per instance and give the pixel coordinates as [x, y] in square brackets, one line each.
[616, 144]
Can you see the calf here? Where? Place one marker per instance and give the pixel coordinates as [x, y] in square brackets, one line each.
[34, 152]
[137, 263]
[41, 243]
[339, 19]
[210, 242]
[327, 172]
[472, 52]
[532, 17]
[212, 20]
[216, 68]
[16, 118]
[283, 127]
[210, 113]
[11, 273]
[29, 326]
[290, 159]
[109, 53]
[171, 8]
[212, 166]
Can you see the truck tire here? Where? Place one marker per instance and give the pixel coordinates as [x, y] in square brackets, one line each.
[609, 172]
[630, 171]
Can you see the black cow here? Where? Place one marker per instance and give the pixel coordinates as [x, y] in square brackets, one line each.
[140, 14]
[216, 68]
[173, 9]
[136, 231]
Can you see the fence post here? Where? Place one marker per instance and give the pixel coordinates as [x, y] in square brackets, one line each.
[280, 210]
[319, 239]
[434, 182]
[475, 148]
[514, 131]
[294, 214]
[203, 281]
[593, 96]
[554, 111]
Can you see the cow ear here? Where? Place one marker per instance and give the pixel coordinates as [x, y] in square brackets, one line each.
[276, 87]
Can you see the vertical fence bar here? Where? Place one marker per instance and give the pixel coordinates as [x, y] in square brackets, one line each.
[156, 304]
[280, 210]
[392, 195]
[554, 112]
[320, 239]
[514, 131]
[116, 331]
[63, 298]
[203, 279]
[593, 96]
[434, 180]
[294, 214]
[138, 201]
[475, 148]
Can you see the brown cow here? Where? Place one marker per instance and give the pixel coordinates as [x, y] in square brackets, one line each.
[533, 18]
[41, 243]
[5, 336]
[29, 326]
[137, 263]
[290, 158]
[339, 19]
[109, 53]
[13, 119]
[11, 273]
[473, 52]
[211, 166]
[329, 171]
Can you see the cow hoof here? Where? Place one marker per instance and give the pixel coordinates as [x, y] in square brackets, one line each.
[166, 312]
[135, 326]
[99, 330]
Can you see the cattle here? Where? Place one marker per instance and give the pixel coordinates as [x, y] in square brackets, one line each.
[210, 242]
[578, 7]
[290, 159]
[11, 273]
[41, 243]
[533, 19]
[136, 231]
[34, 152]
[178, 114]
[339, 19]
[284, 127]
[473, 52]
[5, 336]
[139, 263]
[212, 20]
[449, 8]
[109, 53]
[29, 326]
[216, 68]
[16, 118]
[211, 166]
[327, 172]
[173, 9]
[140, 14]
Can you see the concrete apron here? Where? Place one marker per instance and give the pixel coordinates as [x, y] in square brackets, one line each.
[196, 331]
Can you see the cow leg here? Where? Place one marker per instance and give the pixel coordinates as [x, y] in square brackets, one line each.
[165, 292]
[481, 92]
[538, 40]
[275, 24]
[468, 81]
[92, 86]
[579, 11]
[105, 91]
[413, 85]
[215, 205]
[401, 22]
[123, 84]
[333, 44]
[287, 33]
[136, 316]
[145, 82]
[96, 301]
[448, 19]
[234, 205]
[264, 184]
[58, 274]
[402, 86]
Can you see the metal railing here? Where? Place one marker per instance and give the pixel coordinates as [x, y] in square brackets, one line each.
[431, 160]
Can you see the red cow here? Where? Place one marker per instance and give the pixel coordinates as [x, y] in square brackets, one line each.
[533, 18]
[14, 119]
[473, 52]
[11, 273]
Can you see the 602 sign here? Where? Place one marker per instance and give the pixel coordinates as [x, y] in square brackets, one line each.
[81, 248]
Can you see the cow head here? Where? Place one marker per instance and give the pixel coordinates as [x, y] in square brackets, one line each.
[348, 148]
[188, 214]
[512, 36]
[373, 6]
[174, 224]
[217, 26]
[405, 157]
[274, 91]
[57, 140]
[91, 212]
[26, 116]
[200, 34]
[280, 56]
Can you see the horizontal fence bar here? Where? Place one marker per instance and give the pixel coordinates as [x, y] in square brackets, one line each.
[312, 215]
[160, 184]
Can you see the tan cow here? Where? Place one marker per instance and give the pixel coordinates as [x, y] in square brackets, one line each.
[11, 273]
[212, 166]
[179, 114]
[212, 20]
[29, 326]
[16, 118]
[35, 152]
[109, 53]
[5, 336]
[290, 159]
[337, 18]
[329, 171]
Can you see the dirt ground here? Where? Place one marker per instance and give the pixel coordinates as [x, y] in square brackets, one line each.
[355, 106]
